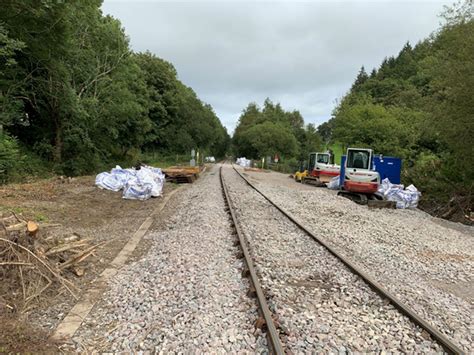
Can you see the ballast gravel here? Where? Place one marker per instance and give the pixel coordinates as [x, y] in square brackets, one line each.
[186, 294]
[427, 262]
[321, 306]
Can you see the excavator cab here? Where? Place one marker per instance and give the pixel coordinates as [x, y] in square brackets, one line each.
[361, 174]
[312, 161]
[318, 158]
[361, 181]
[358, 159]
[323, 158]
[321, 168]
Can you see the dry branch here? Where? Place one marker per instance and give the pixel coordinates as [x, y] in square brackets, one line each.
[3, 263]
[33, 261]
[66, 247]
[16, 227]
[77, 259]
[61, 279]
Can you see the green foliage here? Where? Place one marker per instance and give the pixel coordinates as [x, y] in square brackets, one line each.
[338, 151]
[288, 166]
[164, 161]
[419, 106]
[75, 95]
[180, 121]
[17, 161]
[270, 138]
[310, 141]
[388, 130]
[10, 157]
[272, 130]
[325, 131]
[361, 78]
[10, 106]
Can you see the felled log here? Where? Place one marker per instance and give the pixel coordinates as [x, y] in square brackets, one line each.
[66, 246]
[78, 258]
[16, 227]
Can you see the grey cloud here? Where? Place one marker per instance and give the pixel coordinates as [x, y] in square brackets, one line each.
[302, 54]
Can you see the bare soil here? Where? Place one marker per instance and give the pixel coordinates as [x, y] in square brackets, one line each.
[80, 208]
[19, 337]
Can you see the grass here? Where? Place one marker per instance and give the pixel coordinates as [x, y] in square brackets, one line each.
[337, 150]
[17, 210]
[26, 213]
[164, 161]
[39, 217]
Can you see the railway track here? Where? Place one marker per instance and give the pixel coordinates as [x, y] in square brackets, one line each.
[274, 332]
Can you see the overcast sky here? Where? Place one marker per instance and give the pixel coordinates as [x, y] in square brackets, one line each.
[304, 55]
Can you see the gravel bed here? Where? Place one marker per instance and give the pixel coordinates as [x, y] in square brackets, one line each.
[187, 294]
[427, 262]
[321, 306]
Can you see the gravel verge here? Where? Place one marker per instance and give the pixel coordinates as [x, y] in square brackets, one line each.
[427, 262]
[186, 294]
[321, 306]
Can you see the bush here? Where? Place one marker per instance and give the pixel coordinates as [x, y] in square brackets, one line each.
[164, 160]
[10, 157]
[288, 166]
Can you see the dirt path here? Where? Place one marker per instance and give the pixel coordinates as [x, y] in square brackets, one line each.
[82, 209]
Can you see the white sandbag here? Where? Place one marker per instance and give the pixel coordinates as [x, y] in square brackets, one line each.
[108, 181]
[138, 184]
[334, 183]
[122, 175]
[407, 198]
[243, 162]
[414, 196]
[386, 186]
[137, 191]
[147, 176]
[158, 175]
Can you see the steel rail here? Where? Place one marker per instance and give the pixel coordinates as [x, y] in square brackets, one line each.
[403, 308]
[272, 333]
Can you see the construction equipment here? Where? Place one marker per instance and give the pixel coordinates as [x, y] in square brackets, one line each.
[300, 173]
[321, 169]
[362, 172]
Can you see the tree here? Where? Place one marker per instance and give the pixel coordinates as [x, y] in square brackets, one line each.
[325, 131]
[361, 78]
[272, 130]
[419, 106]
[452, 103]
[73, 92]
[312, 142]
[270, 138]
[10, 105]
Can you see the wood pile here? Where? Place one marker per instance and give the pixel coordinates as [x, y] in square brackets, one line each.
[182, 174]
[34, 263]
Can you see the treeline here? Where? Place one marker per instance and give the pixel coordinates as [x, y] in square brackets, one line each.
[74, 97]
[419, 106]
[271, 130]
